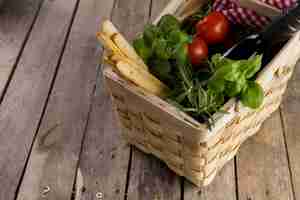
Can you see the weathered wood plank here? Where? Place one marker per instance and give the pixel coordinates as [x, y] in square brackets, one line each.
[222, 187]
[157, 8]
[104, 160]
[149, 177]
[54, 158]
[25, 98]
[262, 167]
[291, 114]
[16, 18]
[105, 156]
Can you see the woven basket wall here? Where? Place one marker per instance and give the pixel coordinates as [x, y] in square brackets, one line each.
[186, 146]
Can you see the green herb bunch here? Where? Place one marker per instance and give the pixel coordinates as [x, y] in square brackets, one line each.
[201, 95]
[197, 92]
[160, 45]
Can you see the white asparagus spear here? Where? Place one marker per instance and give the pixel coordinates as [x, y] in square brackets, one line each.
[112, 32]
[142, 78]
[108, 44]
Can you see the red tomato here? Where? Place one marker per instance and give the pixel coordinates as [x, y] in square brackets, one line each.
[197, 51]
[213, 28]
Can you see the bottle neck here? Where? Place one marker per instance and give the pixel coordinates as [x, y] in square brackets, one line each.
[245, 48]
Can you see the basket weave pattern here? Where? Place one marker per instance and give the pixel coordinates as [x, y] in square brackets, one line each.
[189, 148]
[153, 131]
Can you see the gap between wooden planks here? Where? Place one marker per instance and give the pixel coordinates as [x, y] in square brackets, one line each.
[17, 19]
[54, 158]
[153, 163]
[25, 98]
[105, 156]
[262, 167]
[290, 113]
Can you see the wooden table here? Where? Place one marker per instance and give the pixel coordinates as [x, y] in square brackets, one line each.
[58, 136]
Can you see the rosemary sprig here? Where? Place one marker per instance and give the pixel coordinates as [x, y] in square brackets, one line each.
[193, 97]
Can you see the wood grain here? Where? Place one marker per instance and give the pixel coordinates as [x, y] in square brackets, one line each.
[105, 157]
[23, 104]
[222, 187]
[149, 177]
[55, 155]
[157, 8]
[262, 166]
[291, 114]
[16, 18]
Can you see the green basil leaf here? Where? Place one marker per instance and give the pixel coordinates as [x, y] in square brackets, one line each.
[216, 60]
[142, 49]
[232, 72]
[251, 66]
[228, 72]
[233, 89]
[253, 95]
[219, 61]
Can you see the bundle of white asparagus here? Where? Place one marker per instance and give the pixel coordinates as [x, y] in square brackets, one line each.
[122, 56]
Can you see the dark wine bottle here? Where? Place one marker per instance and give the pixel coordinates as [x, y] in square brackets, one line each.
[279, 31]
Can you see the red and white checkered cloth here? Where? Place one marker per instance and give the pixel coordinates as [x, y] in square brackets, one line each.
[239, 15]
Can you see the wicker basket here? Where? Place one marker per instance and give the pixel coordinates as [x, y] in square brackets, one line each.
[188, 147]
